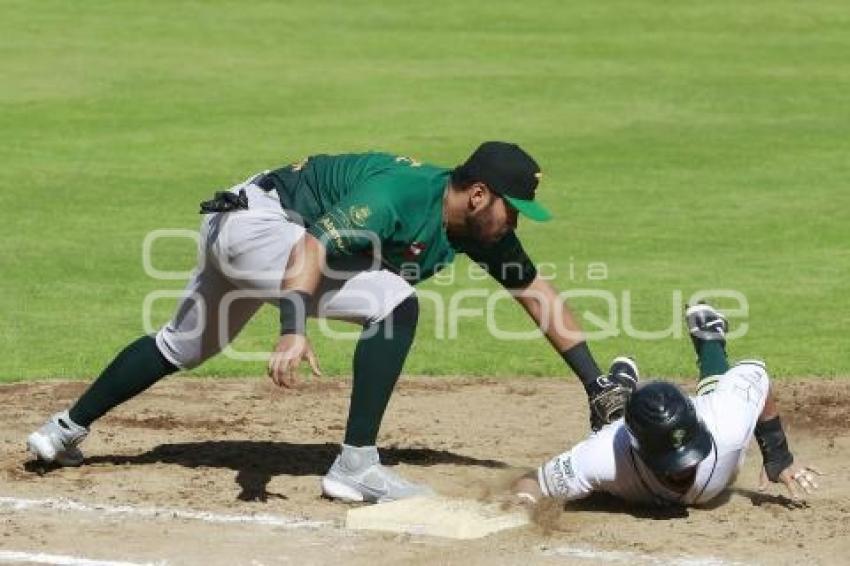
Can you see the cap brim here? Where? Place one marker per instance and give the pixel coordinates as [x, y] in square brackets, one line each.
[530, 209]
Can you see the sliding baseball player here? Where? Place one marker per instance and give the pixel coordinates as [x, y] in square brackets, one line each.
[670, 449]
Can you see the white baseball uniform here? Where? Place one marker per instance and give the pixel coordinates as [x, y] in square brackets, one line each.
[729, 405]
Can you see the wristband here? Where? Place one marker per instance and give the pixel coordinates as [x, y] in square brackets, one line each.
[774, 447]
[582, 363]
[293, 312]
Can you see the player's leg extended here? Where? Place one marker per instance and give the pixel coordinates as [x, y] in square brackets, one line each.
[191, 337]
[134, 369]
[237, 246]
[707, 327]
[198, 331]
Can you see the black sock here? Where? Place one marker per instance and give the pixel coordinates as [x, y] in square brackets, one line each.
[583, 365]
[378, 360]
[711, 357]
[136, 368]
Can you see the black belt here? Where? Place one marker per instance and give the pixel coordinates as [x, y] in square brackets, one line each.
[266, 182]
[225, 201]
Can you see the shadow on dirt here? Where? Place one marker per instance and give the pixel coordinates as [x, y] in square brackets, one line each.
[256, 462]
[605, 503]
[759, 498]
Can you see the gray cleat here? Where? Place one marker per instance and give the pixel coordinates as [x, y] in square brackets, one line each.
[357, 475]
[706, 323]
[57, 440]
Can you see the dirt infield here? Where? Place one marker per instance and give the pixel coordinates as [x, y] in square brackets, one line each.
[226, 472]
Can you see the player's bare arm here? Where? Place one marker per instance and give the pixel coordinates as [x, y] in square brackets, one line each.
[607, 393]
[302, 276]
[551, 314]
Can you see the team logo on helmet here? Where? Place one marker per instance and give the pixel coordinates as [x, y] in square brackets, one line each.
[678, 437]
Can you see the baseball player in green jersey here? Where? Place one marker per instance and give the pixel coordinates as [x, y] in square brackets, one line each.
[345, 237]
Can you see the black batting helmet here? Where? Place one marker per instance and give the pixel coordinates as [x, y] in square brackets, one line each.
[665, 429]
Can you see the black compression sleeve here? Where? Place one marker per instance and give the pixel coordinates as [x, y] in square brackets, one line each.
[506, 261]
[582, 363]
[293, 312]
[774, 447]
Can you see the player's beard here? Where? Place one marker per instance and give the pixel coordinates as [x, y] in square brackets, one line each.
[481, 225]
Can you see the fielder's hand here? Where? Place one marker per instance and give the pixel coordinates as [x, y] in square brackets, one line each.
[800, 481]
[291, 350]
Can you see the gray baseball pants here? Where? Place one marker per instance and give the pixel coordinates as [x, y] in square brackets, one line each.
[242, 256]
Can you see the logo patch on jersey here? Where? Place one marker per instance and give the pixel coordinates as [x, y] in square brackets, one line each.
[678, 437]
[414, 250]
[567, 465]
[331, 233]
[359, 214]
[562, 472]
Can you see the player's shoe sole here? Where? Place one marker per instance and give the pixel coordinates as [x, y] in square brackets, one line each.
[334, 489]
[41, 446]
[56, 441]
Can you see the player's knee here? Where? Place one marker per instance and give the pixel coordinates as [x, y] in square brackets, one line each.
[406, 313]
[177, 350]
[753, 370]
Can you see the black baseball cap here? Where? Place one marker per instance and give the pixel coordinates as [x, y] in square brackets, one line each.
[511, 173]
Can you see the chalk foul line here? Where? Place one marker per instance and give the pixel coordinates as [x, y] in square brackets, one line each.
[627, 557]
[166, 513]
[20, 557]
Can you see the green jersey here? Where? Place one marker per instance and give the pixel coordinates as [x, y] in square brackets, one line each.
[391, 206]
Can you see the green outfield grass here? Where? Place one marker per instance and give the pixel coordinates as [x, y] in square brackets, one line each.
[686, 145]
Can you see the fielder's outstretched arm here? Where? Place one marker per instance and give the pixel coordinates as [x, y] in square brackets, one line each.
[554, 318]
[509, 264]
[542, 303]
